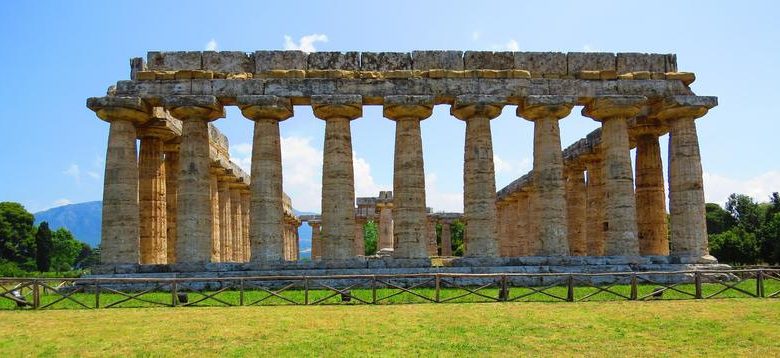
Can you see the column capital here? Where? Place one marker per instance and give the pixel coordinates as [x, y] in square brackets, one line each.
[337, 106]
[265, 107]
[156, 128]
[468, 106]
[415, 107]
[684, 107]
[606, 107]
[206, 108]
[110, 108]
[540, 107]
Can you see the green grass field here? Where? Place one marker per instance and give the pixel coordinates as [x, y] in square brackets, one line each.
[727, 327]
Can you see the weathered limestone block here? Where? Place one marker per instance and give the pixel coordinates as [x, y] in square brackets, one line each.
[430, 228]
[410, 215]
[120, 221]
[590, 61]
[279, 60]
[171, 204]
[686, 187]
[316, 240]
[479, 183]
[502, 223]
[385, 61]
[174, 61]
[447, 60]
[152, 202]
[334, 61]
[360, 240]
[613, 111]
[541, 64]
[634, 62]
[265, 231]
[488, 60]
[446, 239]
[385, 240]
[338, 185]
[650, 194]
[228, 62]
[522, 224]
[576, 211]
[545, 111]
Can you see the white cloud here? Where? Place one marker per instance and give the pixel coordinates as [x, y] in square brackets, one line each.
[211, 45]
[74, 172]
[305, 43]
[475, 35]
[512, 45]
[718, 187]
[93, 175]
[61, 202]
[364, 182]
[589, 48]
[441, 200]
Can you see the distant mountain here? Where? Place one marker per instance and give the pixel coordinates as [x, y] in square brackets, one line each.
[84, 219]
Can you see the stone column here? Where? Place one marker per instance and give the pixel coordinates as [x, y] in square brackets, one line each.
[545, 112]
[385, 230]
[446, 238]
[512, 217]
[650, 195]
[430, 229]
[612, 112]
[217, 254]
[522, 226]
[151, 199]
[338, 185]
[360, 243]
[534, 244]
[594, 193]
[193, 244]
[120, 222]
[265, 230]
[316, 242]
[576, 209]
[502, 224]
[296, 240]
[686, 187]
[226, 219]
[171, 178]
[409, 220]
[245, 203]
[479, 182]
[236, 221]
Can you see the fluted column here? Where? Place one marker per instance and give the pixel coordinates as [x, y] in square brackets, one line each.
[360, 243]
[650, 194]
[171, 201]
[512, 217]
[120, 222]
[613, 112]
[479, 181]
[316, 242]
[686, 187]
[151, 199]
[193, 244]
[409, 219]
[545, 112]
[297, 240]
[446, 238]
[594, 193]
[236, 221]
[385, 229]
[534, 244]
[338, 185]
[226, 219]
[245, 203]
[502, 224]
[217, 251]
[430, 229]
[576, 209]
[523, 226]
[267, 211]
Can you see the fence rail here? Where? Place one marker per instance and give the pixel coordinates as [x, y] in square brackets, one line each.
[95, 293]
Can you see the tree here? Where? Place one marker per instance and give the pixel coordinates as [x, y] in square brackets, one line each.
[735, 246]
[718, 220]
[370, 237]
[745, 211]
[17, 243]
[458, 229]
[65, 250]
[43, 247]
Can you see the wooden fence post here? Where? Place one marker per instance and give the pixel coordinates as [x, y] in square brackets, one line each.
[373, 289]
[438, 288]
[760, 284]
[570, 288]
[634, 288]
[305, 290]
[97, 293]
[174, 294]
[241, 292]
[36, 295]
[697, 284]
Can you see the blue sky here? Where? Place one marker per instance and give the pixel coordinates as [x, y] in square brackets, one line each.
[56, 54]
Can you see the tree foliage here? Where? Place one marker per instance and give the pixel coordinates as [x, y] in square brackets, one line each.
[718, 220]
[370, 237]
[751, 232]
[43, 247]
[65, 250]
[17, 243]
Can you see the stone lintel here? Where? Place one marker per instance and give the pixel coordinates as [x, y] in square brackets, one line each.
[330, 60]
[590, 61]
[541, 63]
[488, 60]
[469, 106]
[684, 107]
[385, 61]
[605, 107]
[539, 107]
[430, 60]
[228, 62]
[109, 108]
[279, 60]
[338, 106]
[417, 107]
[265, 107]
[172, 61]
[201, 107]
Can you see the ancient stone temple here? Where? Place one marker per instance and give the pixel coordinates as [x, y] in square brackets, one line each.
[182, 202]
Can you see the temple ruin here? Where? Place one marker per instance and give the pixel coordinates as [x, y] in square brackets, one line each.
[183, 204]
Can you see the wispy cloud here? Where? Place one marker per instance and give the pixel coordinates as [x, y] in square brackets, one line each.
[475, 35]
[512, 45]
[212, 45]
[74, 172]
[61, 202]
[718, 187]
[305, 43]
[589, 48]
[440, 200]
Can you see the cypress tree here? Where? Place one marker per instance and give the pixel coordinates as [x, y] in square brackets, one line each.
[43, 247]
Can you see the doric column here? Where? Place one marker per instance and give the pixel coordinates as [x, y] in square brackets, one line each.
[296, 240]
[534, 244]
[226, 218]
[151, 199]
[576, 209]
[650, 196]
[686, 188]
[171, 179]
[479, 181]
[360, 243]
[385, 229]
[612, 112]
[245, 203]
[522, 225]
[236, 221]
[316, 242]
[446, 238]
[409, 217]
[193, 244]
[502, 224]
[119, 231]
[338, 185]
[430, 232]
[265, 223]
[594, 193]
[545, 112]
[217, 254]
